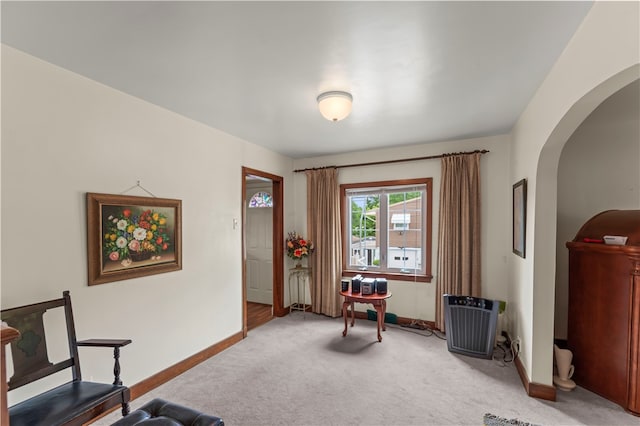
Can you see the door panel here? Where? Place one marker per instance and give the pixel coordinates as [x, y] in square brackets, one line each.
[259, 246]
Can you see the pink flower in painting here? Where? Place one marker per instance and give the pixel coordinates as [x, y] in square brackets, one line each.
[114, 255]
[134, 245]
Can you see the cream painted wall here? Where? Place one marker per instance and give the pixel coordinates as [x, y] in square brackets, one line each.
[415, 299]
[64, 135]
[601, 58]
[598, 171]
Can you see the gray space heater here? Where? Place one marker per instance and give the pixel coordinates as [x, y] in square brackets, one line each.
[470, 325]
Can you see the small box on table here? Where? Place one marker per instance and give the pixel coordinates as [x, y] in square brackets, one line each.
[368, 286]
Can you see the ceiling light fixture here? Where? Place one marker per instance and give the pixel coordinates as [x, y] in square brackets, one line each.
[335, 106]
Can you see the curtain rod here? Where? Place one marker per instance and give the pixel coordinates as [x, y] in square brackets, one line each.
[373, 163]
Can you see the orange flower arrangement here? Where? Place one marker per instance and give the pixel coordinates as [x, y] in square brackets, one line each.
[298, 247]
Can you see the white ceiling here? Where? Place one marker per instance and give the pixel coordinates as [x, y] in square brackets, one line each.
[418, 71]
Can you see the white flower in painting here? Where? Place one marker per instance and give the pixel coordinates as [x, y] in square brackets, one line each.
[126, 262]
[110, 217]
[139, 234]
[122, 224]
[121, 242]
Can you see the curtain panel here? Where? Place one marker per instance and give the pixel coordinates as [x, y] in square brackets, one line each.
[459, 231]
[324, 228]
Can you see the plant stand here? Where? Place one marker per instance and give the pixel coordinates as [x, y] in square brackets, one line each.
[301, 276]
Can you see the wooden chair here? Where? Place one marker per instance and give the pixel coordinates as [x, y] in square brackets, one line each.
[72, 403]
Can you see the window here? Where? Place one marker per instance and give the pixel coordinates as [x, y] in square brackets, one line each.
[387, 229]
[261, 200]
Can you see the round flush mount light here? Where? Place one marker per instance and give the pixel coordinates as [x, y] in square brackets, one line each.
[335, 106]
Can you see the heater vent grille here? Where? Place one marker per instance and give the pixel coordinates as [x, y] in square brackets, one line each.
[470, 324]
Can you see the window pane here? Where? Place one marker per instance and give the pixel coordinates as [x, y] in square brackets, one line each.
[404, 241]
[363, 247]
[261, 200]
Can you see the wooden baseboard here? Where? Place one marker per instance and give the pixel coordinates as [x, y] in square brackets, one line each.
[535, 390]
[175, 370]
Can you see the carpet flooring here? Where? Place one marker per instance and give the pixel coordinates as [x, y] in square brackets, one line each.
[299, 370]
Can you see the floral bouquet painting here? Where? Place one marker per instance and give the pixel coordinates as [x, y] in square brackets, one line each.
[135, 234]
[130, 236]
[298, 247]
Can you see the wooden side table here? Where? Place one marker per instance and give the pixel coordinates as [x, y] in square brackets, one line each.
[302, 277]
[379, 302]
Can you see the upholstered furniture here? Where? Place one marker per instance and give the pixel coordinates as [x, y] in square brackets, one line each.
[159, 412]
[72, 403]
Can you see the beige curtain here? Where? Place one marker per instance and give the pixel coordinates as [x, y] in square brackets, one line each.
[323, 225]
[459, 232]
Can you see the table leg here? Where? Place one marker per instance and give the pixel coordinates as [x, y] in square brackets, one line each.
[353, 313]
[304, 294]
[345, 314]
[384, 313]
[380, 314]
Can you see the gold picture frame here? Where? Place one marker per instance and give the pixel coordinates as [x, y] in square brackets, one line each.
[130, 236]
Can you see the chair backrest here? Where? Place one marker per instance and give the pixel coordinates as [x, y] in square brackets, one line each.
[29, 352]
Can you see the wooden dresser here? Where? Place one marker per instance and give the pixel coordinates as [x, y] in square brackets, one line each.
[604, 308]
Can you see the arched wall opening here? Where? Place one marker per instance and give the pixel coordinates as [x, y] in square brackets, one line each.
[598, 171]
[546, 218]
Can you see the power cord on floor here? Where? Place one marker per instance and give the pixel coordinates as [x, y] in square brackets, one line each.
[425, 333]
[507, 350]
[505, 355]
[419, 327]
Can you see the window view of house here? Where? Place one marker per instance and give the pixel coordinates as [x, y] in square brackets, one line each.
[387, 228]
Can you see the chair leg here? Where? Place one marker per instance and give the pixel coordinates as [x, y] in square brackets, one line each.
[125, 408]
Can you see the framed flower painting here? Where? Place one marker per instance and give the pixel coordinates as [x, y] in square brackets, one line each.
[130, 236]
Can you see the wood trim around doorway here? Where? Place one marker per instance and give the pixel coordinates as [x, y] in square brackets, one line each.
[278, 243]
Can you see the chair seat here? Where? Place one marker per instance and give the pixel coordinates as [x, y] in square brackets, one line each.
[160, 412]
[63, 403]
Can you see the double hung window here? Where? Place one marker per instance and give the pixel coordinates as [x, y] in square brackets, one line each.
[387, 229]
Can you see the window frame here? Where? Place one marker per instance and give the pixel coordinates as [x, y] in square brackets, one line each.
[427, 242]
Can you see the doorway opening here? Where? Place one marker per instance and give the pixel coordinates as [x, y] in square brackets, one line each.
[262, 248]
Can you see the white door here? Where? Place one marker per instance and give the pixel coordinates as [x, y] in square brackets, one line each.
[259, 238]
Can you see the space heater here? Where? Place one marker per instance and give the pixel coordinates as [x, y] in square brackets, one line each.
[470, 325]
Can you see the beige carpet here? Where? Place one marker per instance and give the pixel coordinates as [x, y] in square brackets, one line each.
[299, 370]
